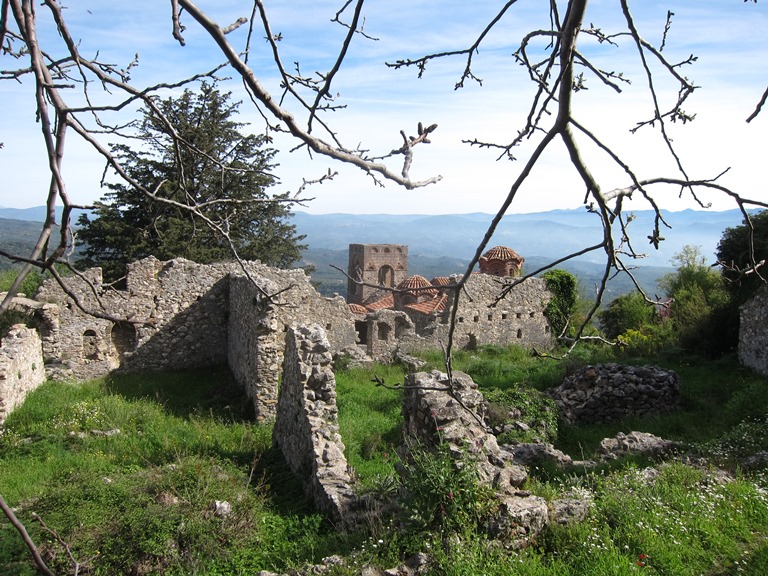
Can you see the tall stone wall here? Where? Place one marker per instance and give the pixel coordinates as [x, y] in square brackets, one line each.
[21, 367]
[753, 332]
[255, 343]
[177, 314]
[306, 429]
[517, 319]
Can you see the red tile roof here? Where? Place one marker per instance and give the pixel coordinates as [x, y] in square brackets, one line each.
[502, 253]
[387, 302]
[434, 305]
[358, 309]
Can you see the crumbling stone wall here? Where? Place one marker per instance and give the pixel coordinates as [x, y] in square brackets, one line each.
[175, 317]
[753, 332]
[517, 319]
[610, 392]
[21, 367]
[178, 315]
[433, 415]
[306, 429]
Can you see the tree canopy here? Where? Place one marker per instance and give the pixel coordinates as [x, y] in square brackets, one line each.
[191, 153]
[739, 255]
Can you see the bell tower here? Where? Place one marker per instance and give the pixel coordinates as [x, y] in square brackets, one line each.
[384, 265]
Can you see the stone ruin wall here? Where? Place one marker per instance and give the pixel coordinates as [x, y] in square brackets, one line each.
[307, 430]
[21, 367]
[258, 325]
[175, 312]
[456, 419]
[517, 319]
[753, 332]
[180, 314]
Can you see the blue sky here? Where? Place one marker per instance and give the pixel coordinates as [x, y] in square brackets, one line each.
[728, 36]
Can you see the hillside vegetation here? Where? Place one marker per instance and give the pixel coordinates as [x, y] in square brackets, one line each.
[168, 474]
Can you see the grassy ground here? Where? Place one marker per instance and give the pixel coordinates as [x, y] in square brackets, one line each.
[128, 471]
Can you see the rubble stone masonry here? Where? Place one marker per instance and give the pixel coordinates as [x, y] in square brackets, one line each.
[21, 367]
[753, 334]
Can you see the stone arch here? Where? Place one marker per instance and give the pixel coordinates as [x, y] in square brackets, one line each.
[90, 345]
[124, 338]
[387, 276]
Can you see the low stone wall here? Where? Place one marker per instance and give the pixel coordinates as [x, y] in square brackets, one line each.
[307, 430]
[753, 332]
[610, 392]
[21, 367]
[434, 415]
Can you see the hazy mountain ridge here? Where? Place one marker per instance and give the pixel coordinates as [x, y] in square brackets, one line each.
[444, 244]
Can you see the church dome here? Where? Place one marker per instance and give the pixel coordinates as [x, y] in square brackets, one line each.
[501, 261]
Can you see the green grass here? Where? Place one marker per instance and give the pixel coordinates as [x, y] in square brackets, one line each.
[127, 469]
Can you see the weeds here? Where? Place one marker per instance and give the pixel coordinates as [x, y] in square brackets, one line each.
[128, 472]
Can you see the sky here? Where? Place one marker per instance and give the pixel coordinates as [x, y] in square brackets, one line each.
[727, 36]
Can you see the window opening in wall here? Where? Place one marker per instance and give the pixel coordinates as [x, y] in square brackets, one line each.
[472, 344]
[532, 314]
[476, 318]
[490, 316]
[400, 327]
[519, 333]
[383, 331]
[546, 329]
[461, 319]
[328, 326]
[90, 345]
[504, 315]
[386, 250]
[518, 315]
[387, 276]
[361, 328]
[124, 338]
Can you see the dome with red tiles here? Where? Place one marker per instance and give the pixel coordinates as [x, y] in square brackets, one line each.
[501, 261]
[441, 281]
[414, 281]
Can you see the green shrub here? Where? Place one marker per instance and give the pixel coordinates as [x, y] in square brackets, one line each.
[440, 494]
[565, 292]
[526, 405]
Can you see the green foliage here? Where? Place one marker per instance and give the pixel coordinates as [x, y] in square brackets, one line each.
[130, 481]
[370, 421]
[29, 285]
[703, 316]
[734, 250]
[565, 292]
[527, 405]
[627, 312]
[441, 494]
[213, 163]
[143, 497]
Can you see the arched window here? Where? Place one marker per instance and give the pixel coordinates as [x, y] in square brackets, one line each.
[123, 338]
[387, 276]
[90, 345]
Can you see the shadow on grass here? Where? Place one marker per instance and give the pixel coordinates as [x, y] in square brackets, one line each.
[211, 392]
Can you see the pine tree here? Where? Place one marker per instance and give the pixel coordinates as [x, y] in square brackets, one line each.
[208, 163]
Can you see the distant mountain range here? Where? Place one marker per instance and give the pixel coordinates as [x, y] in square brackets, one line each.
[443, 245]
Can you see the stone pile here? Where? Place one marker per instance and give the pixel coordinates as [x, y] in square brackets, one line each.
[611, 392]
